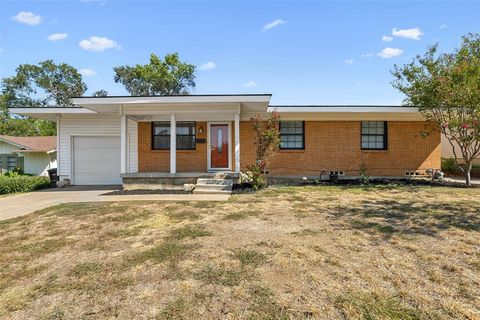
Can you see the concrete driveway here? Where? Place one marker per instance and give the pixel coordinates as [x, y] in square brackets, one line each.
[25, 203]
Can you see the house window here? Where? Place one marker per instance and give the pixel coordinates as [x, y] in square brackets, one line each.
[374, 135]
[292, 135]
[185, 135]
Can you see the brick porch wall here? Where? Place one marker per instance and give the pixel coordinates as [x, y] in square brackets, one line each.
[329, 146]
[159, 160]
[335, 145]
[187, 160]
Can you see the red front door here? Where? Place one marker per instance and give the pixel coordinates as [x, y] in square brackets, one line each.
[219, 146]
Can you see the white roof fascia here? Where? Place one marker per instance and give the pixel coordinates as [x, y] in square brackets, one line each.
[346, 109]
[28, 111]
[171, 99]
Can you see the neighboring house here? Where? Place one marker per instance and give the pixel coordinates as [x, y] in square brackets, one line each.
[33, 155]
[103, 139]
[447, 151]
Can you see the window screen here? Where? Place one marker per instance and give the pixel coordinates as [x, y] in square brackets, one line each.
[374, 135]
[292, 135]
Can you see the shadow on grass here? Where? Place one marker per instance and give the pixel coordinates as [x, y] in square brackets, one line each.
[390, 217]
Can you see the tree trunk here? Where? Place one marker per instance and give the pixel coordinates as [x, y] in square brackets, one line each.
[468, 168]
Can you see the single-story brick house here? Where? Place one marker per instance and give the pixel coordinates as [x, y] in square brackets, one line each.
[104, 139]
[32, 155]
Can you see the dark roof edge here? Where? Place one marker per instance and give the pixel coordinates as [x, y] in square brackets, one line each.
[187, 95]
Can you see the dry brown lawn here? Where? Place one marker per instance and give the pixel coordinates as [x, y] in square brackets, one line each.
[282, 253]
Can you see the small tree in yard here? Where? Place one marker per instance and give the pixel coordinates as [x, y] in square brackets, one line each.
[446, 89]
[267, 140]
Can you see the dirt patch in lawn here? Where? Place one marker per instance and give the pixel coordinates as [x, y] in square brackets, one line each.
[325, 252]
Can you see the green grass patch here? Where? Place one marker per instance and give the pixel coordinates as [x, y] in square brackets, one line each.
[85, 268]
[190, 231]
[240, 215]
[305, 232]
[178, 309]
[211, 274]
[250, 257]
[170, 251]
[36, 249]
[183, 214]
[373, 306]
[263, 305]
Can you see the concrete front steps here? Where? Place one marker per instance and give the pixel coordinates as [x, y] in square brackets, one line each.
[219, 184]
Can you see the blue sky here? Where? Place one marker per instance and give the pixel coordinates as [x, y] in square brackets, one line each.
[312, 52]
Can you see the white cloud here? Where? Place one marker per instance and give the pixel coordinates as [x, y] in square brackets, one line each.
[27, 17]
[414, 33]
[273, 24]
[443, 26]
[250, 84]
[207, 66]
[100, 2]
[388, 53]
[349, 61]
[98, 44]
[387, 38]
[366, 55]
[87, 72]
[57, 36]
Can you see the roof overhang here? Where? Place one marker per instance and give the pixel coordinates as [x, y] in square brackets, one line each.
[49, 113]
[12, 143]
[137, 106]
[35, 151]
[348, 113]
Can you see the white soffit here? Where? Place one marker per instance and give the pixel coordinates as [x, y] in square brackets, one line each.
[199, 102]
[348, 113]
[49, 113]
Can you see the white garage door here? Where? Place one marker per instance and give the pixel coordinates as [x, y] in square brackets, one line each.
[96, 160]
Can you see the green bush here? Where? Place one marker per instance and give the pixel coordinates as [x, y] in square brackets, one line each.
[449, 166]
[18, 183]
[254, 177]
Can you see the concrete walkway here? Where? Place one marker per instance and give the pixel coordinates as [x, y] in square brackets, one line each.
[25, 203]
[474, 181]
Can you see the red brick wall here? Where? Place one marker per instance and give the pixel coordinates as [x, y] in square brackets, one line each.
[329, 145]
[335, 145]
[159, 160]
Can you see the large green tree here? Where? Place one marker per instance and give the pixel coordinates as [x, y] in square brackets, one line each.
[169, 76]
[43, 85]
[446, 88]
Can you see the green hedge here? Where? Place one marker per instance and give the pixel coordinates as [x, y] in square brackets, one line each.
[22, 184]
[449, 166]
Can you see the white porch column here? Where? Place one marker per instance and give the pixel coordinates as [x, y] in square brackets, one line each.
[58, 146]
[123, 144]
[237, 142]
[173, 144]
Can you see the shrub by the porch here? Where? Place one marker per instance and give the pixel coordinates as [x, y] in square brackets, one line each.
[267, 140]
